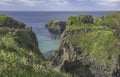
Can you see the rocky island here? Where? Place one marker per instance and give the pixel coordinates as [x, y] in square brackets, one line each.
[56, 26]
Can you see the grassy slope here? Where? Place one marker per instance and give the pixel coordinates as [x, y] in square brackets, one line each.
[19, 55]
[101, 44]
[111, 20]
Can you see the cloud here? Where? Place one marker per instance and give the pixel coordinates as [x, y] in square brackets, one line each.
[53, 5]
[5, 2]
[109, 3]
[59, 2]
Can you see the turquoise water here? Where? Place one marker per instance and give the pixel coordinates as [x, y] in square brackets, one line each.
[46, 44]
[37, 21]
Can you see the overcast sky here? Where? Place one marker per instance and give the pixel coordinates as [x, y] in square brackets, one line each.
[59, 5]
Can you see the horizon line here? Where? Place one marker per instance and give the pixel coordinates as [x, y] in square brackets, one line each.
[60, 11]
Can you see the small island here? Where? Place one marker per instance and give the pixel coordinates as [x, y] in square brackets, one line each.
[56, 26]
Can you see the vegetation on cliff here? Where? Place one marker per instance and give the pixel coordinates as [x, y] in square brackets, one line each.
[94, 45]
[76, 20]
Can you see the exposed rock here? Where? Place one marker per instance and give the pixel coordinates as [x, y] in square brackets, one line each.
[56, 26]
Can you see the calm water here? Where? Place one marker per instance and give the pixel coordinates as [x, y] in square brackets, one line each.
[37, 21]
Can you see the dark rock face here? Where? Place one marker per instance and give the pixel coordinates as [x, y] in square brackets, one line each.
[76, 69]
[56, 26]
[67, 60]
[85, 18]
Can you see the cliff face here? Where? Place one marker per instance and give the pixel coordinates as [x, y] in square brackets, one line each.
[56, 26]
[19, 52]
[88, 49]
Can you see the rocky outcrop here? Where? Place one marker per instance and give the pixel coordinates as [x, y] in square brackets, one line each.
[79, 19]
[88, 51]
[56, 26]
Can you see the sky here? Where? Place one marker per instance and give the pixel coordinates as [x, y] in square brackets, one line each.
[59, 5]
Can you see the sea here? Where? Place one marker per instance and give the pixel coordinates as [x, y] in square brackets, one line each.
[38, 19]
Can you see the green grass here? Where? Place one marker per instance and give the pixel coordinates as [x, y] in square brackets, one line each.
[83, 27]
[97, 44]
[98, 21]
[112, 20]
[4, 20]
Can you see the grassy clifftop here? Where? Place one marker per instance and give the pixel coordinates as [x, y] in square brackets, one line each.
[7, 21]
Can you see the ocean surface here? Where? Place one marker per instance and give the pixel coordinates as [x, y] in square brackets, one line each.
[37, 21]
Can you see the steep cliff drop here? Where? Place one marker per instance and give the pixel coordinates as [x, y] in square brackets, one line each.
[19, 52]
